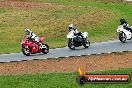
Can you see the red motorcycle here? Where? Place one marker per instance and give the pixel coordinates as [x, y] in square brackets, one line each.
[31, 47]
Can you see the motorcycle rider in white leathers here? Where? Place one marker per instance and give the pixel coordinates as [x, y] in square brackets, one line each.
[33, 37]
[72, 27]
[125, 24]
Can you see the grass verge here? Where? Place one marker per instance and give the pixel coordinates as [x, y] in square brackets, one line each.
[99, 19]
[58, 80]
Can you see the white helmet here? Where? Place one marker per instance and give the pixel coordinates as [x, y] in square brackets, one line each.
[72, 27]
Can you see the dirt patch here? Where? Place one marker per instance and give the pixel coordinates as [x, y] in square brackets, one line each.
[28, 4]
[91, 63]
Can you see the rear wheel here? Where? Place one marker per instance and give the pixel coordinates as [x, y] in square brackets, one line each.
[26, 51]
[71, 44]
[45, 50]
[86, 43]
[122, 37]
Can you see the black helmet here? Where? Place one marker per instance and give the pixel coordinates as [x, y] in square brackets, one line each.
[122, 20]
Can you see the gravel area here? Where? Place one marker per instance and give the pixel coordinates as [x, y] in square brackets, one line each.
[71, 64]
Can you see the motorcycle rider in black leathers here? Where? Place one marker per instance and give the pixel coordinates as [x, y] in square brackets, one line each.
[125, 24]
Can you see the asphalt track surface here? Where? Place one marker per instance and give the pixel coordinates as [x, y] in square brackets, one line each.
[95, 48]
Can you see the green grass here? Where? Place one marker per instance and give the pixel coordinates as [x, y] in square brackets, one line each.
[99, 19]
[58, 80]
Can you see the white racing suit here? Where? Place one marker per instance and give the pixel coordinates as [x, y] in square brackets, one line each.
[76, 32]
[33, 37]
[127, 27]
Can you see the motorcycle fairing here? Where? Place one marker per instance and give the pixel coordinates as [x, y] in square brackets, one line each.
[77, 41]
[85, 34]
[128, 33]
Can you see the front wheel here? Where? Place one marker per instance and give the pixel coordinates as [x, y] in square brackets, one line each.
[71, 44]
[86, 43]
[45, 49]
[26, 51]
[122, 37]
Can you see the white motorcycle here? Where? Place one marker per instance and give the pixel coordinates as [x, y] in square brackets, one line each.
[124, 34]
[76, 41]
